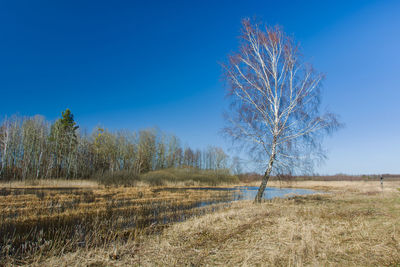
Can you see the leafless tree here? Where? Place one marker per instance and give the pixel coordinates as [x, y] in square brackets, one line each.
[275, 102]
[33, 148]
[4, 144]
[236, 165]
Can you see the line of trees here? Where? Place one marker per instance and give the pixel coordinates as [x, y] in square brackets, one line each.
[33, 148]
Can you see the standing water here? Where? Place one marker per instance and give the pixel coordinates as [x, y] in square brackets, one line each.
[64, 219]
[246, 193]
[250, 192]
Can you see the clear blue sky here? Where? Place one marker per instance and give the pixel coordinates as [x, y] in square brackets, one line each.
[132, 65]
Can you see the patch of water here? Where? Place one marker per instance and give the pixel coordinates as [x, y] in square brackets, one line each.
[246, 193]
[250, 192]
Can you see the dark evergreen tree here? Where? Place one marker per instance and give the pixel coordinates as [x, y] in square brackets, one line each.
[64, 140]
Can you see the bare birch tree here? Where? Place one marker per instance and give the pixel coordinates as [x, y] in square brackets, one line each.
[275, 102]
[4, 145]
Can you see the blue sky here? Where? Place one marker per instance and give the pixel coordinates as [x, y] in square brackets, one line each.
[138, 64]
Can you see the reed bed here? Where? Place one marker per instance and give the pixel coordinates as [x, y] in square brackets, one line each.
[38, 222]
[355, 225]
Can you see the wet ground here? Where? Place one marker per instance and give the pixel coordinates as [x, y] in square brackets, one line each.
[39, 219]
[246, 192]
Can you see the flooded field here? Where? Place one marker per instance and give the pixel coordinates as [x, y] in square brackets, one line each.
[51, 220]
[247, 192]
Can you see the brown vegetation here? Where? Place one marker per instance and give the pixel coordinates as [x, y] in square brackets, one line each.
[355, 226]
[174, 176]
[255, 177]
[40, 221]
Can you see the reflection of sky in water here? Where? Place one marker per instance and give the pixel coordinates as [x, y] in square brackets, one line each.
[250, 192]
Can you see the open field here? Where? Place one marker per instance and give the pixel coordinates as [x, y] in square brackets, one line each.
[356, 225]
[339, 186]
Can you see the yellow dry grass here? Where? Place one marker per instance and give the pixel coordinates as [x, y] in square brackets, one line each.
[356, 225]
[92, 184]
[339, 186]
[42, 220]
[46, 204]
[50, 183]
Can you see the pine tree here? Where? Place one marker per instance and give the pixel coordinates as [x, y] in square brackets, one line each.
[64, 140]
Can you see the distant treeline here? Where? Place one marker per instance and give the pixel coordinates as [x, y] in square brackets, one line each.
[345, 177]
[32, 148]
[253, 177]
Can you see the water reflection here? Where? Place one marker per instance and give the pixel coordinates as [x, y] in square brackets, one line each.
[250, 192]
[244, 193]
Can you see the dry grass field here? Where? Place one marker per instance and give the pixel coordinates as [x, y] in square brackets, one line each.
[357, 224]
[53, 218]
[81, 223]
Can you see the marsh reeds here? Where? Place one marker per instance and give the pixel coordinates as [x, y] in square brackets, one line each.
[40, 222]
[186, 176]
[357, 224]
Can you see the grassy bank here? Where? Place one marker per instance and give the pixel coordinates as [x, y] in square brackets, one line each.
[173, 176]
[185, 176]
[356, 225]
